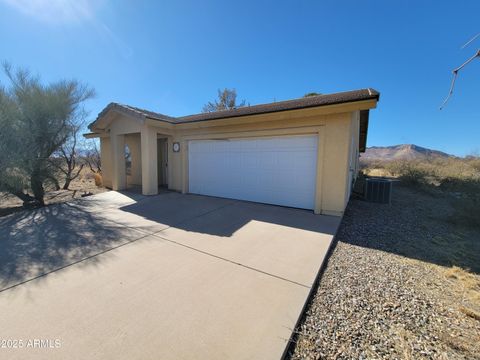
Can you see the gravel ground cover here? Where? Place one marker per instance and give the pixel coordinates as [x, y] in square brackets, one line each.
[401, 283]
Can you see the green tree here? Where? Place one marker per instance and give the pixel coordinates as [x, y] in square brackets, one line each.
[311, 94]
[36, 121]
[11, 178]
[227, 100]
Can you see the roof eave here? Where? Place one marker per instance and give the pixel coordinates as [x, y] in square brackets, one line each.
[122, 110]
[362, 142]
[273, 115]
[366, 101]
[373, 95]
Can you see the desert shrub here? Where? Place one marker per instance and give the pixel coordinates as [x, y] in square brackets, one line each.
[371, 164]
[98, 179]
[475, 164]
[450, 173]
[414, 176]
[454, 168]
[466, 185]
[411, 172]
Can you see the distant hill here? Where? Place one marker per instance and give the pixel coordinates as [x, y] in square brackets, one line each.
[401, 152]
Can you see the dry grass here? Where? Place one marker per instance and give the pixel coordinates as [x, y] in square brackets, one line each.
[467, 286]
[471, 313]
[456, 171]
[404, 343]
[98, 179]
[456, 343]
[468, 281]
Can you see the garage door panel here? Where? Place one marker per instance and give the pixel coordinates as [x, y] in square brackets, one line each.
[279, 170]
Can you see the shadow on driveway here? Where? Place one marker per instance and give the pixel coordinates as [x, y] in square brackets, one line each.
[223, 217]
[38, 241]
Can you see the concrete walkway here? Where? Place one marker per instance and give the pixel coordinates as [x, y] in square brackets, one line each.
[123, 276]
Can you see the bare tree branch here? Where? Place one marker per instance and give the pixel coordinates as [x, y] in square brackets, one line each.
[470, 41]
[78, 172]
[454, 78]
[57, 165]
[92, 157]
[227, 100]
[69, 156]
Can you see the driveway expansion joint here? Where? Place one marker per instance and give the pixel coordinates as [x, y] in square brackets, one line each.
[232, 261]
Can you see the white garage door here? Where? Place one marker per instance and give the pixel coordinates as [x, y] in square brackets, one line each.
[278, 170]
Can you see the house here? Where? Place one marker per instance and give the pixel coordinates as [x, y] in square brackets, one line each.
[300, 153]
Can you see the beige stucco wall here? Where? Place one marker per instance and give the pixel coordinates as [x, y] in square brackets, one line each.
[334, 173]
[133, 142]
[337, 163]
[335, 133]
[106, 161]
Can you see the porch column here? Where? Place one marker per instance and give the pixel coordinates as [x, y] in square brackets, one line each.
[119, 176]
[149, 161]
[106, 161]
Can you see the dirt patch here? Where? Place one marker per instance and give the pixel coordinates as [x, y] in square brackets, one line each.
[402, 282]
[84, 184]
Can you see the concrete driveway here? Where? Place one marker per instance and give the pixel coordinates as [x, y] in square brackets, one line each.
[123, 276]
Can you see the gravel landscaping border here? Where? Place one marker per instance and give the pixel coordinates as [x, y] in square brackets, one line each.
[387, 290]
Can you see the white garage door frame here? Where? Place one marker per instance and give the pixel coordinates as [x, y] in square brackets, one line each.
[304, 176]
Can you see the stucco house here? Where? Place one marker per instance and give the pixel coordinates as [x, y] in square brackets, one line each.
[300, 153]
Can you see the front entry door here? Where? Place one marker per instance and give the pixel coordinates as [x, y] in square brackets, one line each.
[162, 159]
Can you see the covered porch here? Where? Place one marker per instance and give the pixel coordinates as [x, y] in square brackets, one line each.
[135, 161]
[134, 156]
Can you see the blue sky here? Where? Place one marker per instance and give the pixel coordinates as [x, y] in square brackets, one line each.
[171, 57]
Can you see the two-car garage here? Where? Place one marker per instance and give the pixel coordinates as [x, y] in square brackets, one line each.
[301, 153]
[274, 170]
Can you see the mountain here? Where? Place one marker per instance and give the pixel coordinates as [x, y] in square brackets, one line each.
[401, 152]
